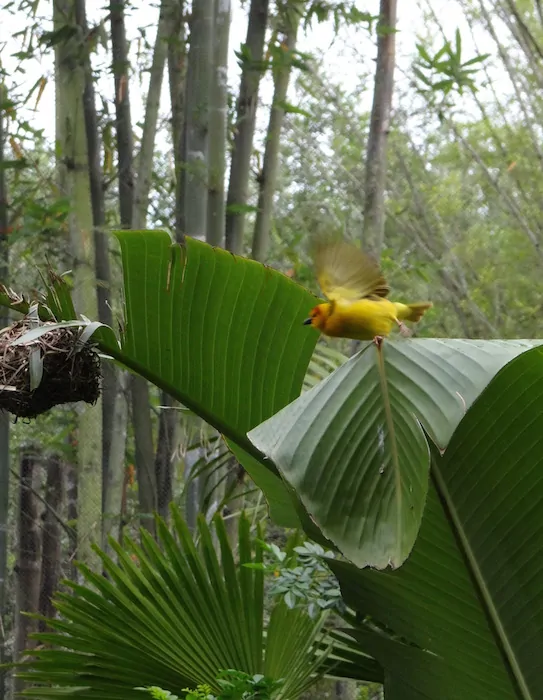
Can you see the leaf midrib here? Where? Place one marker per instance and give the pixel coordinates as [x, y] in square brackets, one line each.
[482, 588]
[393, 452]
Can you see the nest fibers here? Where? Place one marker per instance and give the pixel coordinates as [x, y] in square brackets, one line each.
[52, 369]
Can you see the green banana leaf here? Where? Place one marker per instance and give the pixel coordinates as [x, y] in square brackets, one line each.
[324, 361]
[172, 614]
[469, 598]
[220, 333]
[353, 447]
[223, 335]
[462, 617]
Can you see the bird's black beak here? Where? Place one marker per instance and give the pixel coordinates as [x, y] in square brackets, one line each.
[307, 322]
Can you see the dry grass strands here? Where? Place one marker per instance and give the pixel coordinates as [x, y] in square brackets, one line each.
[69, 371]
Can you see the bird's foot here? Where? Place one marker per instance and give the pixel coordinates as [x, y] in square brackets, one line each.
[404, 330]
[378, 340]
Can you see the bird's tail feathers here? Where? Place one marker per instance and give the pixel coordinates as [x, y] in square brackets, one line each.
[414, 312]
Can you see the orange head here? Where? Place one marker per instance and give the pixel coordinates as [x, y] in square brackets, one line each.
[318, 316]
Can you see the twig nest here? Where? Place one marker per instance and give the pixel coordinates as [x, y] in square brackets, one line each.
[53, 369]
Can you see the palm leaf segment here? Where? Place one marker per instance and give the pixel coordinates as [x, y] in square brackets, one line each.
[172, 615]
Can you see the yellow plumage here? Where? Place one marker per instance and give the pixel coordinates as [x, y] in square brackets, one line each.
[356, 290]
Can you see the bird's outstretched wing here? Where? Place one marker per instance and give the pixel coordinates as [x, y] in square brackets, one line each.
[345, 272]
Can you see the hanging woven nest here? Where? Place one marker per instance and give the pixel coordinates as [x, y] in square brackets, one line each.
[53, 369]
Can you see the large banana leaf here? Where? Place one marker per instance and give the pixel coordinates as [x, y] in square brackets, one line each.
[470, 595]
[220, 333]
[223, 335]
[353, 449]
[173, 615]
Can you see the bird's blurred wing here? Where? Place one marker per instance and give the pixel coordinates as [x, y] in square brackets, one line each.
[345, 272]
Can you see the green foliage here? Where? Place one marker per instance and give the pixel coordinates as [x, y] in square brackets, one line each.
[340, 13]
[378, 400]
[328, 448]
[172, 615]
[353, 445]
[254, 314]
[13, 164]
[240, 209]
[370, 691]
[473, 557]
[280, 58]
[289, 108]
[445, 71]
[201, 692]
[160, 694]
[245, 59]
[59, 36]
[300, 576]
[234, 685]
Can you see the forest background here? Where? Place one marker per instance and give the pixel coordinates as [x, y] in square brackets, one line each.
[255, 163]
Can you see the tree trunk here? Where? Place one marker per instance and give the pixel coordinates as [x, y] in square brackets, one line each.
[123, 119]
[376, 155]
[101, 244]
[4, 416]
[28, 559]
[130, 205]
[134, 197]
[169, 420]
[192, 489]
[113, 512]
[51, 538]
[176, 74]
[168, 438]
[218, 118]
[144, 452]
[145, 157]
[71, 513]
[238, 186]
[194, 173]
[268, 176]
[196, 128]
[161, 477]
[73, 167]
[168, 423]
[218, 122]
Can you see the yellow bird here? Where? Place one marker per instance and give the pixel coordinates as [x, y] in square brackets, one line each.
[356, 290]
